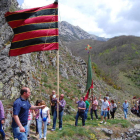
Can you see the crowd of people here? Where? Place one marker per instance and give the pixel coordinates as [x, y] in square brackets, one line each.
[135, 106]
[107, 108]
[23, 113]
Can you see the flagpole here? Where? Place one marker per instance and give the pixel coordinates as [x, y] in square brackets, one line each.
[40, 80]
[58, 82]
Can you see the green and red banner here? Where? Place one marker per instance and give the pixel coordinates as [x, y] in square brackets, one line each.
[89, 78]
[35, 29]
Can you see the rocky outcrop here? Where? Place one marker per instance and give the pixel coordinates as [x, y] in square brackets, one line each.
[69, 33]
[14, 71]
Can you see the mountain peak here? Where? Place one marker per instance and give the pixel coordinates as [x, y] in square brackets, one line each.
[72, 33]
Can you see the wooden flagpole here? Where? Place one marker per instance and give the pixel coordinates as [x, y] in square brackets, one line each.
[57, 82]
[56, 1]
[41, 77]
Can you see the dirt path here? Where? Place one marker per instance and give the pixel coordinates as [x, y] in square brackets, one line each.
[33, 135]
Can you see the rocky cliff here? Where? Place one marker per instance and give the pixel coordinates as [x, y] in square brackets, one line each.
[15, 72]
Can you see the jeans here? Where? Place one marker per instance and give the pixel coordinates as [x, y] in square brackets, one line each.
[60, 118]
[36, 125]
[95, 112]
[1, 130]
[40, 123]
[82, 114]
[86, 111]
[52, 110]
[28, 127]
[20, 135]
[108, 114]
[112, 114]
[125, 113]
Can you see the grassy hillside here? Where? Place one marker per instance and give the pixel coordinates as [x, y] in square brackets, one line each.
[115, 61]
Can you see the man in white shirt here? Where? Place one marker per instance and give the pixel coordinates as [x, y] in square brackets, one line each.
[104, 108]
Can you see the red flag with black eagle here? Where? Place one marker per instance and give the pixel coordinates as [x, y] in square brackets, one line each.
[35, 29]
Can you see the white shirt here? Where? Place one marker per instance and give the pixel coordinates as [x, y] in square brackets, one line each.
[44, 113]
[105, 105]
[112, 106]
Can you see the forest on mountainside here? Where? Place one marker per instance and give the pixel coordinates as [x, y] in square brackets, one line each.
[113, 60]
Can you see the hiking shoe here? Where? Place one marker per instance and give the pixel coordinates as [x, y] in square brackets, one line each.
[91, 119]
[101, 122]
[52, 129]
[44, 138]
[96, 119]
[104, 122]
[36, 134]
[60, 128]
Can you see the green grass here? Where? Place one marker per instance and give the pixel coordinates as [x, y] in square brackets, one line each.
[122, 122]
[70, 132]
[69, 117]
[138, 138]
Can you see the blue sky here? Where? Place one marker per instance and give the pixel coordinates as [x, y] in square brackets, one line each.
[20, 1]
[104, 18]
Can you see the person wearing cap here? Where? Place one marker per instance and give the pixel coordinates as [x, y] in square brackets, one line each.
[125, 109]
[2, 120]
[52, 102]
[61, 105]
[104, 108]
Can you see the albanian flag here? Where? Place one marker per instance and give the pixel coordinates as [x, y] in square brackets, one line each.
[35, 29]
[89, 77]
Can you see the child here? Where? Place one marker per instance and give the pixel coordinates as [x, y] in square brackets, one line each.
[36, 114]
[44, 118]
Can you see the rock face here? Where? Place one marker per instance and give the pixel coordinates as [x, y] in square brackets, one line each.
[16, 72]
[13, 73]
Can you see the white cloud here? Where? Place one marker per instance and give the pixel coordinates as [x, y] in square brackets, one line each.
[35, 3]
[106, 18]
